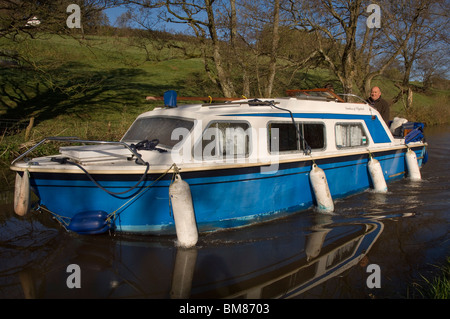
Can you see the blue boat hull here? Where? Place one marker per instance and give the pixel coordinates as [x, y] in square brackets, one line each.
[222, 198]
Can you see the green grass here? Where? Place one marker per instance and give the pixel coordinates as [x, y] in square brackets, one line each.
[430, 107]
[94, 88]
[437, 287]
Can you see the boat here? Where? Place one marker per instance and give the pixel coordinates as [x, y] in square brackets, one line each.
[234, 163]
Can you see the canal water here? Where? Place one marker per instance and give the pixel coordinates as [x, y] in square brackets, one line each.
[374, 246]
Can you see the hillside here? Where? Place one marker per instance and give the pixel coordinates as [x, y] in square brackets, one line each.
[94, 88]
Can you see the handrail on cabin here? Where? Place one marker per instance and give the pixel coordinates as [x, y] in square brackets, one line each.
[324, 93]
[73, 139]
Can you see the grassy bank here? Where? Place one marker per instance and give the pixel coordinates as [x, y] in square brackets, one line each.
[438, 287]
[94, 89]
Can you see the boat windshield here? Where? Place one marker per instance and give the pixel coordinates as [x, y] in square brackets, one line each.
[161, 128]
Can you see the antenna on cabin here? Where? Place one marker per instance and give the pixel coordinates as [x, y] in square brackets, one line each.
[354, 96]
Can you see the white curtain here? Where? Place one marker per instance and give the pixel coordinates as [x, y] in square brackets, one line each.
[355, 135]
[348, 135]
[341, 135]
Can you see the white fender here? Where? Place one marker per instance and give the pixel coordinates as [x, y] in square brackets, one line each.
[321, 190]
[412, 165]
[17, 186]
[183, 213]
[22, 194]
[376, 174]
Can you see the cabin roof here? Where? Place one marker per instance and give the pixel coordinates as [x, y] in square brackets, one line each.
[265, 107]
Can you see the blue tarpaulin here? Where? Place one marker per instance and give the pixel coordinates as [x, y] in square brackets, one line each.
[415, 135]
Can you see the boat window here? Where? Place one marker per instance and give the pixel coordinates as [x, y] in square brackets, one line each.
[161, 128]
[283, 136]
[350, 135]
[226, 140]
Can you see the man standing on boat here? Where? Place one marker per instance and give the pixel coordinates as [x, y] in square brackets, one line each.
[380, 104]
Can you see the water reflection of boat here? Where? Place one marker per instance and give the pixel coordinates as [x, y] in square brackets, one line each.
[328, 251]
[283, 266]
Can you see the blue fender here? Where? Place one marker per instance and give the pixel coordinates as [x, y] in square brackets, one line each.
[90, 222]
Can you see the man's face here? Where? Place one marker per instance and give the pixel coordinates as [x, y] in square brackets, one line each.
[375, 93]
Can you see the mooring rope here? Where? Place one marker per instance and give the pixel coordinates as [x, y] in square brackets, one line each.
[112, 216]
[65, 160]
[65, 221]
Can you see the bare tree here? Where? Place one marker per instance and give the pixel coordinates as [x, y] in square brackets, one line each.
[200, 16]
[428, 38]
[239, 50]
[247, 37]
[34, 17]
[19, 17]
[228, 32]
[273, 48]
[334, 24]
[259, 38]
[354, 52]
[21, 22]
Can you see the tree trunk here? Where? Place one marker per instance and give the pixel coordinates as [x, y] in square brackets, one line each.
[409, 100]
[237, 54]
[273, 53]
[224, 80]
